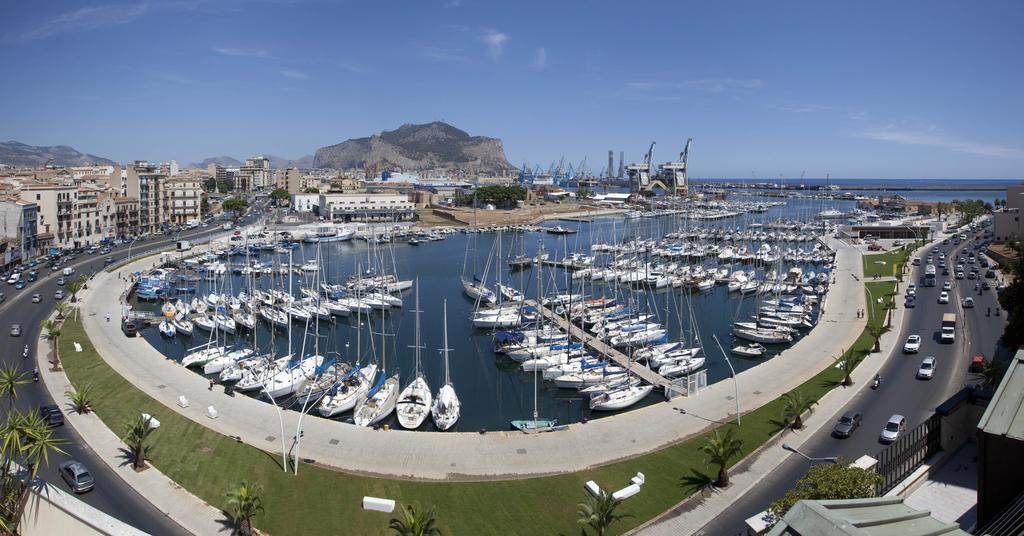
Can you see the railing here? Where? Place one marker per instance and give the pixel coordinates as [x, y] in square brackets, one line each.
[907, 453]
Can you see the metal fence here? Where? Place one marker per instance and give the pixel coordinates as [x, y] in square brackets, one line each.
[907, 453]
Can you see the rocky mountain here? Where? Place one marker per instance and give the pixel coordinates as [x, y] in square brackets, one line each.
[415, 147]
[280, 162]
[225, 161]
[20, 154]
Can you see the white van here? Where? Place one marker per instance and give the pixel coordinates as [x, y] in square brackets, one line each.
[15, 277]
[68, 271]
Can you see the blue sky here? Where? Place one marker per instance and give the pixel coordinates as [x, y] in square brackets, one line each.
[866, 89]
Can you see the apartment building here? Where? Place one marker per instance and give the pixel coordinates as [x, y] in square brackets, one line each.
[144, 182]
[255, 174]
[126, 216]
[18, 226]
[182, 199]
[1007, 225]
[290, 179]
[56, 212]
[92, 217]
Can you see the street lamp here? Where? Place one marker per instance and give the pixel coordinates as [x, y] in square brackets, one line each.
[735, 381]
[830, 459]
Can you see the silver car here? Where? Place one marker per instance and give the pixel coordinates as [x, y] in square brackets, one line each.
[77, 476]
[893, 429]
[927, 368]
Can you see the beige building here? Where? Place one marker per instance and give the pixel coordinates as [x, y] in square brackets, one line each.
[255, 174]
[55, 219]
[1007, 225]
[144, 182]
[290, 179]
[182, 200]
[126, 216]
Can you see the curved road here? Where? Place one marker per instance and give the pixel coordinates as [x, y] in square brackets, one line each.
[111, 495]
[899, 392]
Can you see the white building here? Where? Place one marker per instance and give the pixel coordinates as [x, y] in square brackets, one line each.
[304, 202]
[362, 206]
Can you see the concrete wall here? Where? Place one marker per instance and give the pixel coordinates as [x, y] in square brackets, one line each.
[52, 511]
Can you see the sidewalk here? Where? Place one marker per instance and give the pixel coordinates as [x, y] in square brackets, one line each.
[473, 456]
[189, 511]
[693, 513]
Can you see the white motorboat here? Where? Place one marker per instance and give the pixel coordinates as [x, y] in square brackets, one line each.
[750, 350]
[620, 398]
[167, 328]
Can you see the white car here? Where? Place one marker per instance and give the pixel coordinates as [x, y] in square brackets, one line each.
[944, 297]
[959, 275]
[968, 303]
[896, 425]
[946, 285]
[913, 344]
[927, 368]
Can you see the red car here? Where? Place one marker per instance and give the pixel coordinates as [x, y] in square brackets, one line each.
[874, 247]
[977, 363]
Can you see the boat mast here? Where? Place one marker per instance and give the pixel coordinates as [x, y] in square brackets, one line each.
[444, 340]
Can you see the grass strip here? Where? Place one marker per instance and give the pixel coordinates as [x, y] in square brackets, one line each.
[321, 500]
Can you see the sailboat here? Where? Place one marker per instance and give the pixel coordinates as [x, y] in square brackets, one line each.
[381, 398]
[414, 401]
[536, 424]
[446, 405]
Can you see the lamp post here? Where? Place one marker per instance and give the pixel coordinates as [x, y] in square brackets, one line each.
[735, 381]
[830, 459]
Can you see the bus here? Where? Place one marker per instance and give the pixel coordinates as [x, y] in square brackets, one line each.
[929, 276]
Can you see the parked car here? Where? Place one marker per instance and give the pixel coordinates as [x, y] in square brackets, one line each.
[913, 344]
[977, 363]
[892, 430]
[910, 303]
[927, 368]
[847, 424]
[19, 285]
[77, 476]
[52, 415]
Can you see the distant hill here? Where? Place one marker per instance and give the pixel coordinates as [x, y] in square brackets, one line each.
[225, 161]
[20, 154]
[414, 147]
[280, 162]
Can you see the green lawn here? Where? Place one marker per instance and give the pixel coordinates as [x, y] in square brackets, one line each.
[325, 501]
[884, 264]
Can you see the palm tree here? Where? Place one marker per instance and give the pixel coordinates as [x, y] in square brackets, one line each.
[74, 286]
[847, 361]
[598, 512]
[136, 434]
[81, 398]
[53, 332]
[875, 331]
[25, 440]
[720, 450]
[795, 404]
[10, 379]
[244, 502]
[61, 308]
[415, 522]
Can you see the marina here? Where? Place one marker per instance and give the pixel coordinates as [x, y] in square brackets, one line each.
[629, 298]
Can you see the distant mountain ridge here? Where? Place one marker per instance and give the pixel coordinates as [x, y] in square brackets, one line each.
[15, 153]
[276, 162]
[225, 161]
[416, 147]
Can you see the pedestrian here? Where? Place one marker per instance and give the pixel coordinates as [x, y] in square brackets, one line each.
[108, 317]
[211, 385]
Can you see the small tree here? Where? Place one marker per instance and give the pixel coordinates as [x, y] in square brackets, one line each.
[73, 287]
[720, 450]
[244, 502]
[598, 512]
[280, 194]
[53, 333]
[875, 331]
[10, 379]
[235, 205]
[311, 190]
[826, 481]
[62, 309]
[136, 437]
[81, 398]
[846, 362]
[795, 404]
[415, 521]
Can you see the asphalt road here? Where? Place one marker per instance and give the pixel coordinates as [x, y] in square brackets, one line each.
[900, 391]
[111, 495]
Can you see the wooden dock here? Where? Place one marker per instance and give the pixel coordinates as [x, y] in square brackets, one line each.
[579, 334]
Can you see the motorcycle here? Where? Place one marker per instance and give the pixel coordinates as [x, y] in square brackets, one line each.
[35, 374]
[877, 382]
[24, 353]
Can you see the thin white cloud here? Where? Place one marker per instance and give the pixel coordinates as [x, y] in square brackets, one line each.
[931, 138]
[804, 108]
[541, 59]
[718, 85]
[88, 19]
[495, 42]
[446, 55]
[710, 85]
[293, 74]
[241, 52]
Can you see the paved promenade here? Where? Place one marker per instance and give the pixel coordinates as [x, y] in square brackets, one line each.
[472, 456]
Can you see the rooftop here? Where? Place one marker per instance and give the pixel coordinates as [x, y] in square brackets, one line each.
[879, 516]
[1004, 415]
